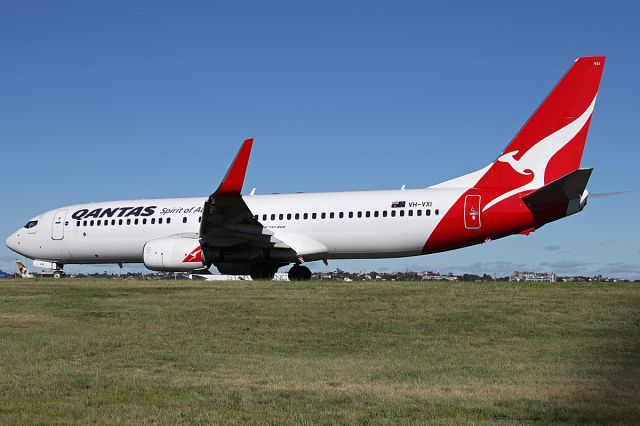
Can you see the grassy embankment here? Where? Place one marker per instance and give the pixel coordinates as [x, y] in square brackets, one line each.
[81, 351]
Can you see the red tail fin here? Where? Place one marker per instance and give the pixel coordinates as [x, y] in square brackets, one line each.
[550, 144]
[571, 99]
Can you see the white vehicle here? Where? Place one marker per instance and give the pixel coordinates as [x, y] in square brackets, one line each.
[25, 273]
[534, 181]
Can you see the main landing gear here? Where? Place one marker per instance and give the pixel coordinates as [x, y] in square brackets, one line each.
[261, 271]
[266, 271]
[299, 273]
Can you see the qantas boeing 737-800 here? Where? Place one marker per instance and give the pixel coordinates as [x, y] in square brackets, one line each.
[537, 179]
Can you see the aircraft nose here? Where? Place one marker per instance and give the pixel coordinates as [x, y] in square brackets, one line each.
[12, 242]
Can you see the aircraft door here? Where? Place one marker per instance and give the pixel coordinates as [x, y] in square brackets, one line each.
[472, 212]
[57, 229]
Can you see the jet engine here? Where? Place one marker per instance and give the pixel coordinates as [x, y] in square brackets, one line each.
[173, 254]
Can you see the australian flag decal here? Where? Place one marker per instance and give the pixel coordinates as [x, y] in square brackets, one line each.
[398, 204]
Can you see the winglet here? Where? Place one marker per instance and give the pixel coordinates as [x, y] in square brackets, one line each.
[233, 180]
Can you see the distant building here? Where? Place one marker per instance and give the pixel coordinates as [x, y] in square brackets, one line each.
[3, 274]
[434, 276]
[538, 277]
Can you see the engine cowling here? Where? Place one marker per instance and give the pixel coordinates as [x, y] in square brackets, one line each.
[173, 254]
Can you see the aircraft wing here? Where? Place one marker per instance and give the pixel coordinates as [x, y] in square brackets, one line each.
[226, 219]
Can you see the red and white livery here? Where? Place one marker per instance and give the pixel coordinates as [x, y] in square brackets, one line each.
[535, 180]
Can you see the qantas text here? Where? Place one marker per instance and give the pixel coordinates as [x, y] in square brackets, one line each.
[114, 212]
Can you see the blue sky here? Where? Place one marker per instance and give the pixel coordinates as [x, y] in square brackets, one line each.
[112, 100]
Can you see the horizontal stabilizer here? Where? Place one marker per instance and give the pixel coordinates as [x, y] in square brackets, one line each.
[560, 198]
[567, 188]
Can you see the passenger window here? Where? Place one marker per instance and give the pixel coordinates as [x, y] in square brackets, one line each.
[144, 221]
[384, 213]
[264, 217]
[199, 219]
[419, 212]
[359, 214]
[91, 223]
[129, 221]
[297, 216]
[78, 223]
[323, 215]
[273, 217]
[305, 216]
[375, 213]
[428, 212]
[401, 212]
[313, 215]
[168, 220]
[120, 222]
[393, 213]
[99, 223]
[184, 220]
[113, 222]
[159, 221]
[106, 222]
[368, 214]
[437, 212]
[410, 212]
[350, 215]
[331, 215]
[288, 216]
[135, 222]
[281, 216]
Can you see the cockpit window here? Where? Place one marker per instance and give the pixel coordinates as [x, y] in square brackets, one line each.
[31, 224]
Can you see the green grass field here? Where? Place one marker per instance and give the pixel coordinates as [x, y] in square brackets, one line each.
[108, 351]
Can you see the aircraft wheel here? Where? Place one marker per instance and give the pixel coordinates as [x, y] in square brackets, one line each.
[58, 274]
[299, 273]
[262, 272]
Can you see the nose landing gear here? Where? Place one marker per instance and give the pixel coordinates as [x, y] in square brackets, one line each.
[299, 273]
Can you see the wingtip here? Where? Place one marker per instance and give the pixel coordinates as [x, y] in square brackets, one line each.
[234, 179]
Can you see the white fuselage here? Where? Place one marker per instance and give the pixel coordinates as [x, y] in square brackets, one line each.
[346, 224]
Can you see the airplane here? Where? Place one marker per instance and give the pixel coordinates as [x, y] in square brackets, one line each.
[537, 179]
[24, 272]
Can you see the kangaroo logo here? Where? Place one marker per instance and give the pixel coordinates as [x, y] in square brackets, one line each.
[534, 162]
[194, 256]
